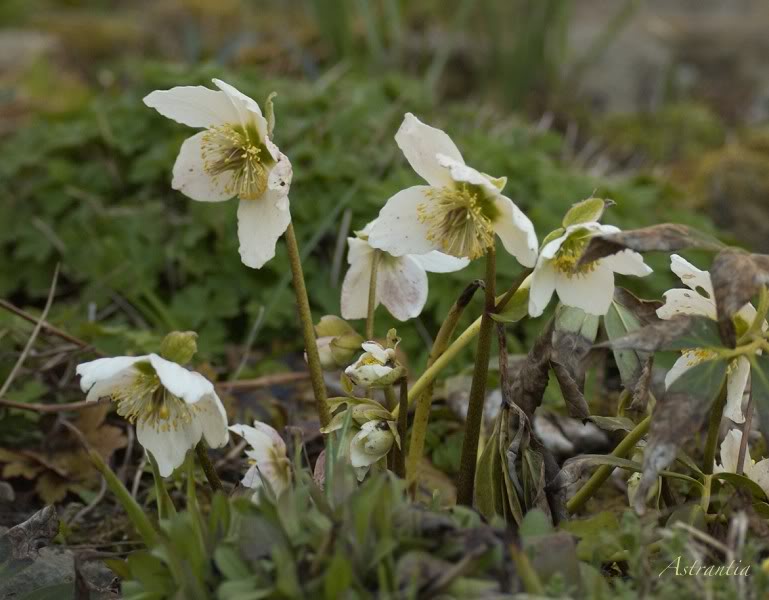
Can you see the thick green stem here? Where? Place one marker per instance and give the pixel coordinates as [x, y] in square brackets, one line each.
[469, 457]
[603, 472]
[714, 424]
[308, 331]
[459, 344]
[165, 505]
[425, 400]
[372, 295]
[208, 467]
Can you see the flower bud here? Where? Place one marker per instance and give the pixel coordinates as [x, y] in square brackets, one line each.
[376, 367]
[337, 342]
[179, 346]
[371, 443]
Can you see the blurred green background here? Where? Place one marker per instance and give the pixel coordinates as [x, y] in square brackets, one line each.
[634, 101]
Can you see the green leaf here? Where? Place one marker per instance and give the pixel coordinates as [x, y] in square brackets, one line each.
[594, 541]
[517, 307]
[682, 332]
[742, 482]
[585, 212]
[338, 577]
[535, 523]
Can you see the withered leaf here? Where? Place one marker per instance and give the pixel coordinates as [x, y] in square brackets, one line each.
[678, 415]
[682, 332]
[666, 237]
[759, 378]
[737, 276]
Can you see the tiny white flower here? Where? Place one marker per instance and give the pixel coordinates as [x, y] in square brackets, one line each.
[372, 442]
[699, 299]
[268, 455]
[232, 156]
[589, 287]
[459, 212]
[171, 407]
[401, 280]
[758, 472]
[376, 367]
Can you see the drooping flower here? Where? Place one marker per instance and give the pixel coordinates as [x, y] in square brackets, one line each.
[589, 287]
[337, 342]
[232, 157]
[372, 442]
[171, 407]
[401, 280]
[699, 299]
[758, 472]
[376, 367]
[268, 456]
[458, 213]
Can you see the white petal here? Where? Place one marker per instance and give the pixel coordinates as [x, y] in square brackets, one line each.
[686, 302]
[421, 144]
[261, 437]
[627, 262]
[592, 292]
[376, 350]
[358, 455]
[187, 385]
[759, 473]
[438, 262]
[730, 450]
[683, 363]
[736, 382]
[552, 247]
[195, 106]
[103, 369]
[280, 177]
[169, 447]
[516, 232]
[252, 479]
[192, 179]
[690, 275]
[112, 385]
[402, 287]
[247, 109]
[260, 224]
[462, 173]
[542, 286]
[356, 280]
[398, 229]
[212, 417]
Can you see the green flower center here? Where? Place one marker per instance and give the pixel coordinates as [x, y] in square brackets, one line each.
[459, 219]
[237, 150]
[145, 400]
[566, 259]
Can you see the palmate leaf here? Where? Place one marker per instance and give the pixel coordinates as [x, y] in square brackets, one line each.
[678, 415]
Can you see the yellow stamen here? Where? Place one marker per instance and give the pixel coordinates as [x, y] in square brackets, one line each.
[145, 400]
[459, 219]
[229, 148]
[568, 255]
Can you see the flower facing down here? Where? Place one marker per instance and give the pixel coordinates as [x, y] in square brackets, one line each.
[268, 457]
[171, 407]
[401, 280]
[698, 299]
[232, 157]
[589, 287]
[758, 472]
[376, 367]
[459, 212]
[372, 442]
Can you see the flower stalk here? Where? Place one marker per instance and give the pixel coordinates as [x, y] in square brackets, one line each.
[165, 505]
[425, 400]
[714, 424]
[308, 331]
[208, 467]
[372, 295]
[469, 457]
[603, 472]
[403, 414]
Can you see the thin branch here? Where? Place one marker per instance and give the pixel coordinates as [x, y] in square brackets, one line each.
[47, 327]
[265, 381]
[54, 408]
[33, 337]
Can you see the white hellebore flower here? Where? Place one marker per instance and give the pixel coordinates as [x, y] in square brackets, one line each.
[459, 212]
[376, 367]
[232, 156]
[401, 283]
[171, 407]
[699, 299]
[268, 456]
[589, 287]
[758, 472]
[371, 443]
